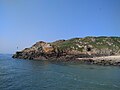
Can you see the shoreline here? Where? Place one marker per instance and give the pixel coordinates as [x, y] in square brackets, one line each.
[103, 60]
[91, 50]
[113, 60]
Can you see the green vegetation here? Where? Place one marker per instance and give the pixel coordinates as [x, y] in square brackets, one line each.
[79, 44]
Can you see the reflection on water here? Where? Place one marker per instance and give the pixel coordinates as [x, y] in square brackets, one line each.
[43, 75]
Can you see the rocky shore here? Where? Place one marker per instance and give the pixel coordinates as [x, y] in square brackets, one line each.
[104, 60]
[93, 50]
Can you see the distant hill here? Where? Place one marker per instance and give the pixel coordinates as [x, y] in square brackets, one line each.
[72, 48]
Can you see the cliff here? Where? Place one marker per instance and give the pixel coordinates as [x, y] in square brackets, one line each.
[71, 49]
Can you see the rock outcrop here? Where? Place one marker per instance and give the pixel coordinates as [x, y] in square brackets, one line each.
[69, 50]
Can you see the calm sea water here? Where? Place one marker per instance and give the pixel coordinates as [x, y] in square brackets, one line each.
[18, 74]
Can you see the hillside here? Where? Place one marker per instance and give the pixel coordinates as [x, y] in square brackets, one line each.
[71, 49]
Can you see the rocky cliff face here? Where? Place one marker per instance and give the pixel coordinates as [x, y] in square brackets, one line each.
[71, 49]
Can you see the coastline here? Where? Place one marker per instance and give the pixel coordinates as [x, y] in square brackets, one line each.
[103, 60]
[91, 50]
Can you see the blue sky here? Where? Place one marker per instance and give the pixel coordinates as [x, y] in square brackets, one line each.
[24, 22]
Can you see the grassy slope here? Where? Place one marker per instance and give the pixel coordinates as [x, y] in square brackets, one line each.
[96, 42]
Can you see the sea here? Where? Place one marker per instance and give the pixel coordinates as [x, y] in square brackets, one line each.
[20, 74]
